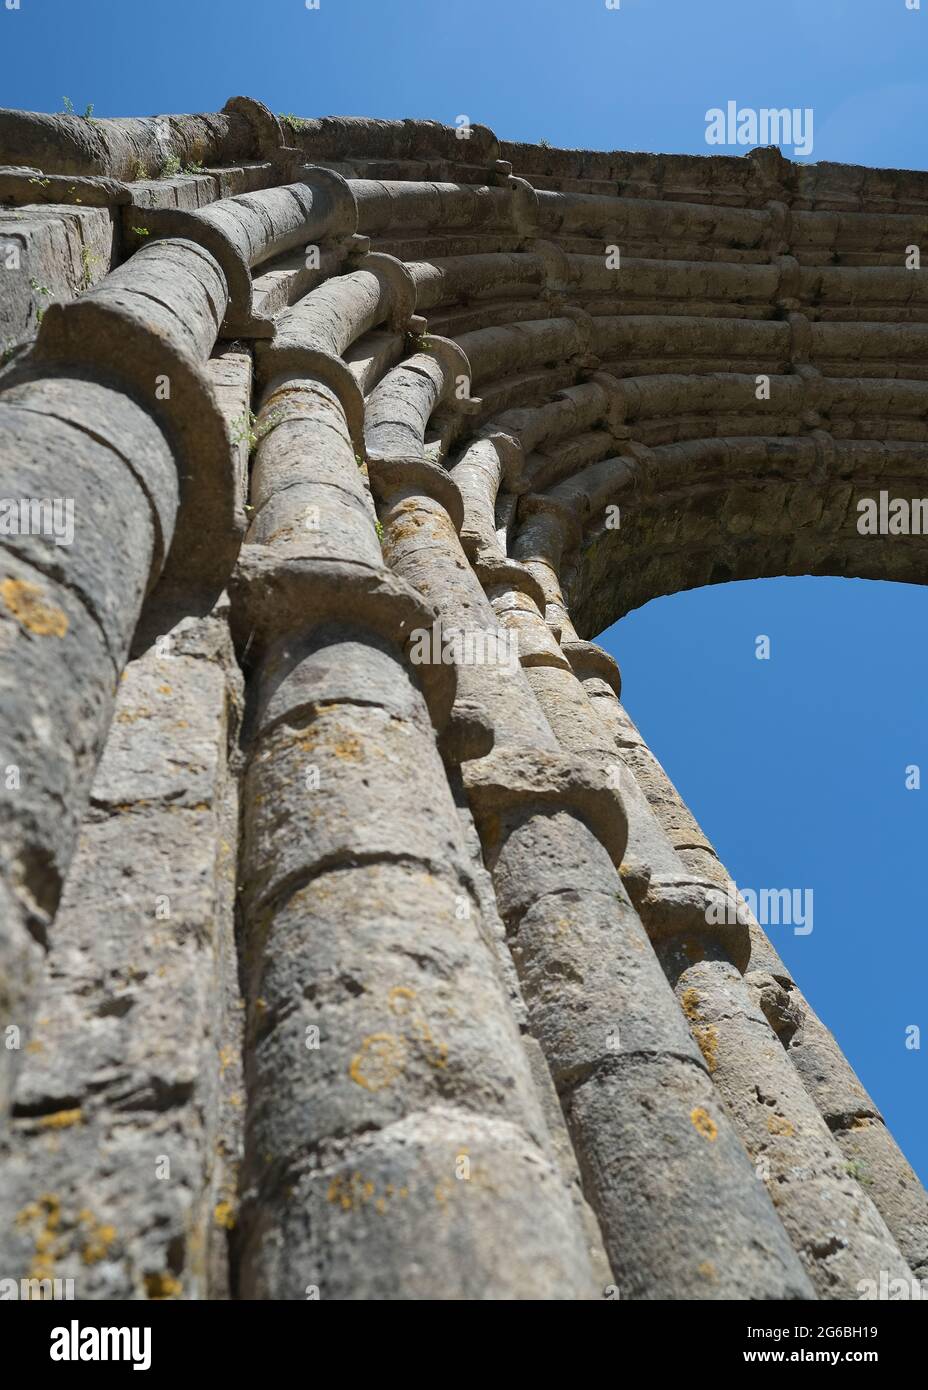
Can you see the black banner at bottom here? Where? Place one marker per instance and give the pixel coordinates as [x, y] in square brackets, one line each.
[170, 1338]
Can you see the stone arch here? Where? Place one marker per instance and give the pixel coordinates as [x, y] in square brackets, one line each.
[449, 356]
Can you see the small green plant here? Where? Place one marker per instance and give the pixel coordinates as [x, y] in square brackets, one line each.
[545, 144]
[140, 171]
[141, 231]
[6, 352]
[378, 527]
[69, 109]
[294, 122]
[243, 429]
[39, 290]
[171, 167]
[246, 428]
[193, 168]
[858, 1172]
[358, 460]
[270, 423]
[89, 262]
[43, 183]
[418, 342]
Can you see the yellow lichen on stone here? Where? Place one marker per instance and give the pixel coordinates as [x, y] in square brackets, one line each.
[777, 1125]
[349, 748]
[704, 1124]
[96, 1239]
[689, 1003]
[61, 1119]
[129, 716]
[46, 1215]
[163, 1285]
[379, 1061]
[25, 602]
[224, 1215]
[708, 1040]
[403, 1004]
[354, 1192]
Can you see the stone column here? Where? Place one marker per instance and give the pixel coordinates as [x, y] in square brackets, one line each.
[639, 1104]
[849, 1112]
[121, 1170]
[105, 416]
[835, 1228]
[395, 1144]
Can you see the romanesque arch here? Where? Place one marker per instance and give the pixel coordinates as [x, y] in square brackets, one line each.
[353, 939]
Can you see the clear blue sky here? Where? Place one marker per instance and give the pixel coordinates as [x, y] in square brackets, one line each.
[795, 766]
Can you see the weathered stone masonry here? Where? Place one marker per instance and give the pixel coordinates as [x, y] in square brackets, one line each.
[324, 968]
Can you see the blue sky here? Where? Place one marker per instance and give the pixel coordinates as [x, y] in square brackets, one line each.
[795, 766]
[568, 71]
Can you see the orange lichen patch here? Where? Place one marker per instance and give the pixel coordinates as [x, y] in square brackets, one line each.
[708, 1271]
[354, 1192]
[47, 1204]
[224, 1215]
[777, 1125]
[708, 1040]
[163, 1285]
[129, 716]
[45, 1216]
[404, 530]
[96, 1238]
[403, 1004]
[689, 1003]
[349, 748]
[379, 1062]
[165, 690]
[61, 1119]
[861, 1122]
[26, 603]
[704, 1124]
